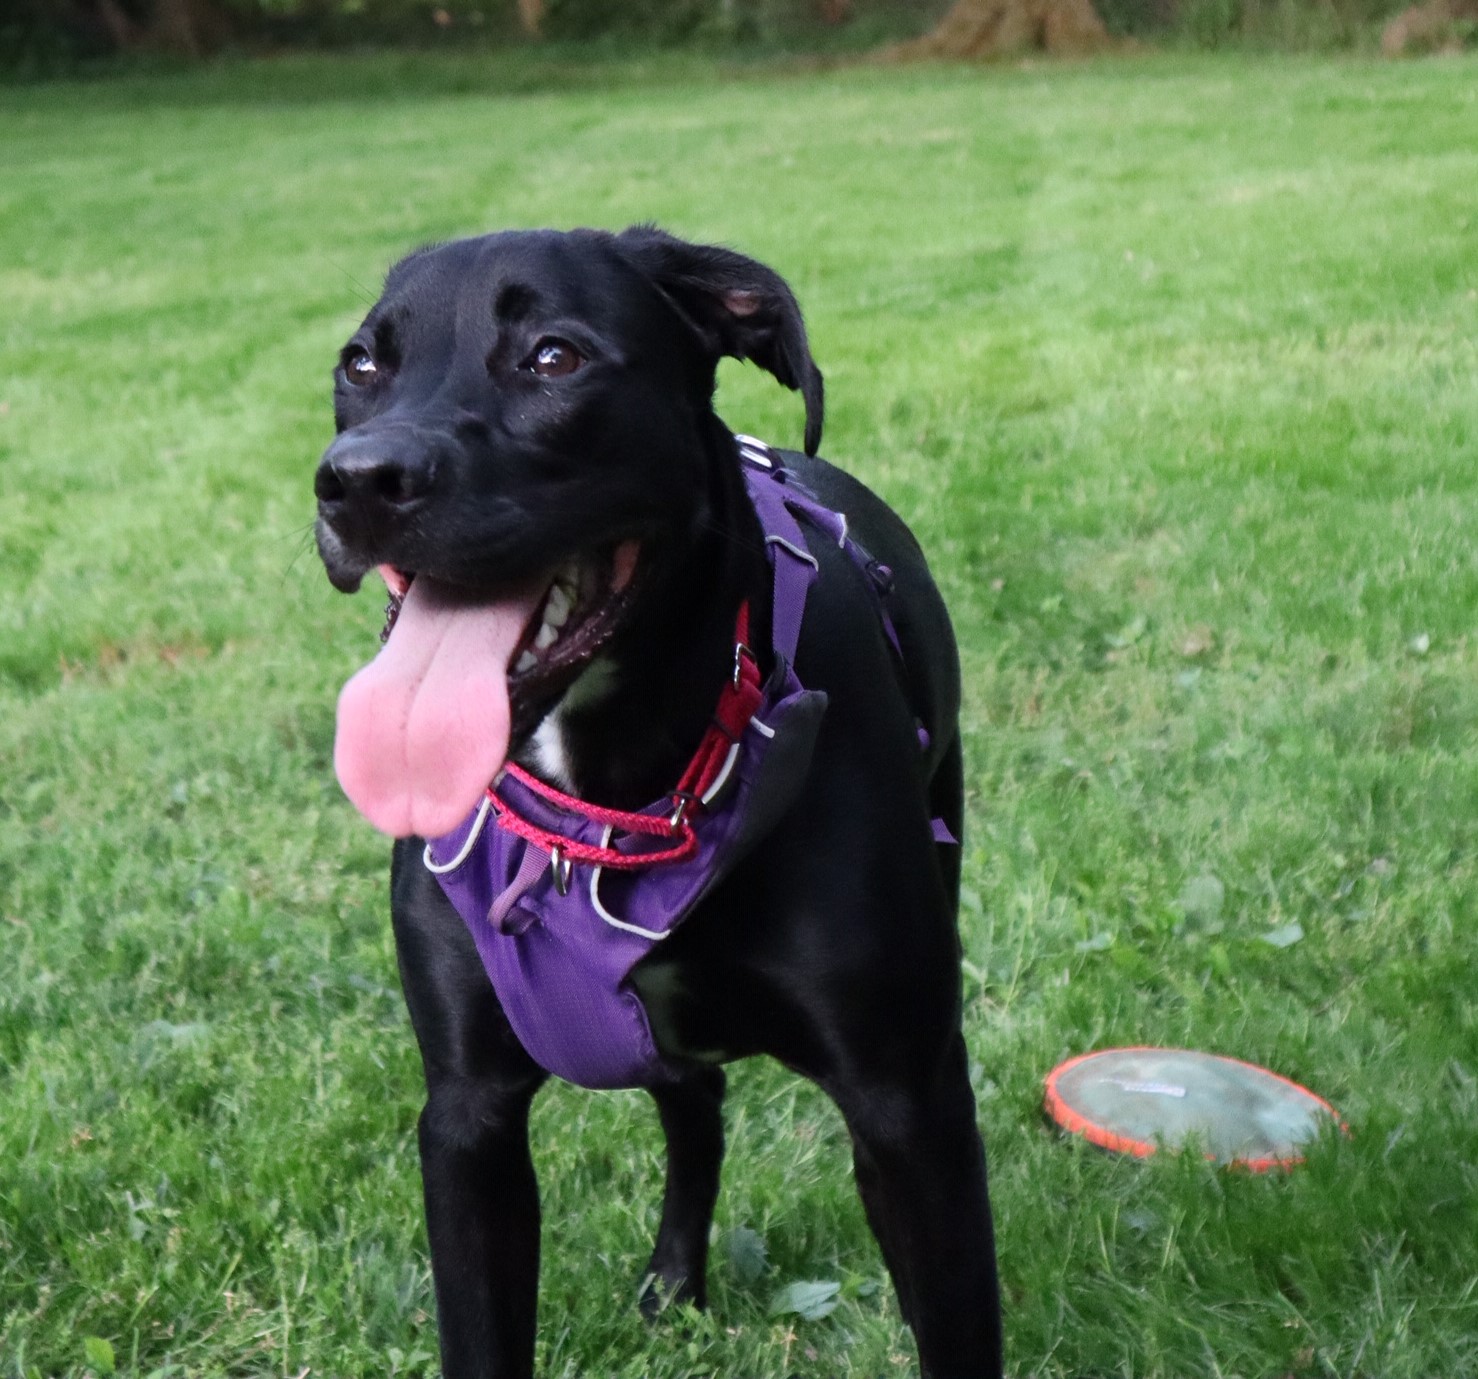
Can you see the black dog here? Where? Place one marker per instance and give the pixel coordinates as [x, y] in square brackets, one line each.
[533, 412]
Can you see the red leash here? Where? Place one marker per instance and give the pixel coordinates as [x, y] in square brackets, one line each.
[737, 703]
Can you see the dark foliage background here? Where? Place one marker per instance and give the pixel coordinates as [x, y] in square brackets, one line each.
[49, 32]
[43, 37]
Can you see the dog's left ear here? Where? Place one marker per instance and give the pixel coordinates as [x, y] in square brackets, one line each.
[737, 306]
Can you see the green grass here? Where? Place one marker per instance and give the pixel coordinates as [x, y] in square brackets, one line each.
[1170, 363]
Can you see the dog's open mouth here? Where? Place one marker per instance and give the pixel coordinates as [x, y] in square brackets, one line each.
[425, 727]
[580, 609]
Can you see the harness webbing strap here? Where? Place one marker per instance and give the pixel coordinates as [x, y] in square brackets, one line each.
[796, 569]
[534, 864]
[834, 524]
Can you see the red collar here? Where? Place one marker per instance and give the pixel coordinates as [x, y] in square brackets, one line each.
[737, 702]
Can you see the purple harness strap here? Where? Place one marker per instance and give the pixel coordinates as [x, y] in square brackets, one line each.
[560, 962]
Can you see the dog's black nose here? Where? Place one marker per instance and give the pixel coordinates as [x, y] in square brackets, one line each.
[368, 469]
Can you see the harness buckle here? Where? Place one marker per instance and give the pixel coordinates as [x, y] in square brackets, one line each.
[881, 576]
[559, 864]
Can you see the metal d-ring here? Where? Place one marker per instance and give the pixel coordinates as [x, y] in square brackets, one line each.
[740, 652]
[681, 799]
[559, 864]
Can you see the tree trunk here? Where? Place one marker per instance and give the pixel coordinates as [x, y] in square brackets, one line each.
[531, 17]
[189, 28]
[173, 28]
[1438, 25]
[1002, 28]
[119, 26]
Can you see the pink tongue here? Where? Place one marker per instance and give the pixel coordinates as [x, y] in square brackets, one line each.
[423, 728]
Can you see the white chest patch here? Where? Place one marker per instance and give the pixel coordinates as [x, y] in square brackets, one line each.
[551, 761]
[549, 748]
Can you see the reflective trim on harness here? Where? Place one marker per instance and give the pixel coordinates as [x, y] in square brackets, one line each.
[605, 914]
[755, 451]
[711, 794]
[441, 868]
[794, 550]
[705, 799]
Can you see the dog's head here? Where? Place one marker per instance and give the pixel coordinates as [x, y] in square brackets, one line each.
[526, 435]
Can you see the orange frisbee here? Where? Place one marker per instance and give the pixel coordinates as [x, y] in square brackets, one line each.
[1136, 1100]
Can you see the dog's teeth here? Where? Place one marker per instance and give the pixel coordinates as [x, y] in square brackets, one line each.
[547, 637]
[557, 610]
[526, 662]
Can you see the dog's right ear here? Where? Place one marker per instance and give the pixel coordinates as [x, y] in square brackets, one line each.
[737, 306]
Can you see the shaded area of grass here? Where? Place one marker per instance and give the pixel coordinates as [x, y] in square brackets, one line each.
[1171, 368]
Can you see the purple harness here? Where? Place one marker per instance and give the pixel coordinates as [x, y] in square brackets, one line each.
[559, 945]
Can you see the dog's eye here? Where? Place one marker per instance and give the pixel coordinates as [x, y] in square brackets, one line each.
[360, 368]
[554, 359]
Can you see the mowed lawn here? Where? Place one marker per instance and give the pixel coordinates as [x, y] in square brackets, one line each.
[1173, 366]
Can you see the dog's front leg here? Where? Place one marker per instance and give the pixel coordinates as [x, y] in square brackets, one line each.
[692, 1120]
[921, 1173]
[482, 1199]
[482, 1219]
